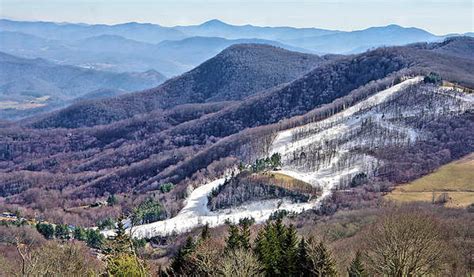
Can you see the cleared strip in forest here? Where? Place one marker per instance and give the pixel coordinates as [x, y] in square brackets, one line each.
[284, 138]
[328, 175]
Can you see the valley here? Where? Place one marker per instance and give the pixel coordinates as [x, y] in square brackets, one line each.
[34, 86]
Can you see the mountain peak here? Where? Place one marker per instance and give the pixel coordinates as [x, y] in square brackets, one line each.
[214, 22]
[394, 26]
[249, 46]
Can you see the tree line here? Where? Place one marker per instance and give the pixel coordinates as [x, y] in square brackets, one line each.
[398, 244]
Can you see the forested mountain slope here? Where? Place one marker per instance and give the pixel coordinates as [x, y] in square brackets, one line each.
[189, 143]
[353, 150]
[234, 74]
[323, 85]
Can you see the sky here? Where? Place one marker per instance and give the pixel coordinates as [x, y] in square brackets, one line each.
[436, 16]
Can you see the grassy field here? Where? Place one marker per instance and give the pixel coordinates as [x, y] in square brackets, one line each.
[288, 182]
[456, 179]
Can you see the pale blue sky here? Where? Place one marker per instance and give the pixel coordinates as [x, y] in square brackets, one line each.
[437, 16]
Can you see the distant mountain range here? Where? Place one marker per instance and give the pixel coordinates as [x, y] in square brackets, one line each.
[234, 74]
[32, 85]
[150, 33]
[174, 50]
[120, 54]
[360, 41]
[221, 29]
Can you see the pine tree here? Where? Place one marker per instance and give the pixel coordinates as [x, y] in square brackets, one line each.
[94, 238]
[233, 241]
[121, 242]
[356, 269]
[262, 249]
[47, 230]
[290, 252]
[122, 259]
[112, 200]
[281, 230]
[245, 234]
[79, 233]
[303, 261]
[275, 160]
[205, 234]
[180, 264]
[323, 262]
[62, 231]
[268, 249]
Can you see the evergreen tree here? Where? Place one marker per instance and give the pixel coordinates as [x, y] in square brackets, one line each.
[205, 234]
[268, 249]
[275, 160]
[94, 238]
[79, 233]
[122, 259]
[112, 200]
[323, 264]
[290, 252]
[107, 223]
[150, 210]
[356, 269]
[180, 264]
[241, 166]
[262, 248]
[239, 236]
[280, 230]
[245, 234]
[303, 261]
[233, 241]
[61, 231]
[121, 243]
[47, 230]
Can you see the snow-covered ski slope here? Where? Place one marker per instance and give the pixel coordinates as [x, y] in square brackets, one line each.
[326, 138]
[283, 143]
[196, 213]
[329, 160]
